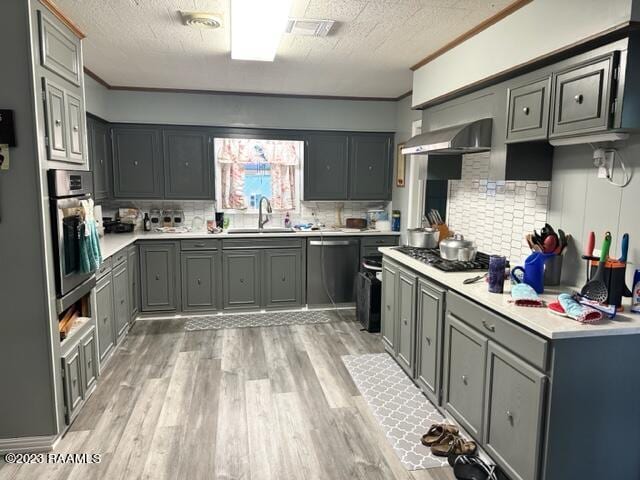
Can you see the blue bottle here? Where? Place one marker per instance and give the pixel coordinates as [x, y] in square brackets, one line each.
[635, 296]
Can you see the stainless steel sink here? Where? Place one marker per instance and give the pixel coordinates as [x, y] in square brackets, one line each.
[259, 231]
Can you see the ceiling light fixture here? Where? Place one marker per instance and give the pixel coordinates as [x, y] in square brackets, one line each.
[257, 27]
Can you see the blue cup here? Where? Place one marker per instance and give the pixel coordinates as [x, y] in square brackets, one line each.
[532, 272]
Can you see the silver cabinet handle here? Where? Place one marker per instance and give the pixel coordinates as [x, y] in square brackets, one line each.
[428, 340]
[58, 123]
[199, 245]
[370, 167]
[579, 98]
[405, 322]
[186, 164]
[157, 277]
[104, 320]
[122, 302]
[526, 110]
[509, 415]
[75, 128]
[284, 279]
[135, 162]
[331, 243]
[199, 282]
[464, 379]
[388, 307]
[242, 280]
[328, 167]
[491, 328]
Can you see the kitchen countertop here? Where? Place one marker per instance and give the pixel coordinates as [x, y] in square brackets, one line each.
[539, 320]
[114, 242]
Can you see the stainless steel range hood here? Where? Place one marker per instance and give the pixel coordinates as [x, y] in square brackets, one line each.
[467, 138]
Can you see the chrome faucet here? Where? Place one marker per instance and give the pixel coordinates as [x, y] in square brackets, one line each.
[261, 222]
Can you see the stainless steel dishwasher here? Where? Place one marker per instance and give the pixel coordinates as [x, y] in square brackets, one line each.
[332, 265]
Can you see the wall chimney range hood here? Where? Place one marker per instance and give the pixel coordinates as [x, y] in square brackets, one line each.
[461, 139]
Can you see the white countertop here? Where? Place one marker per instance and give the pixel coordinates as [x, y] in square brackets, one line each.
[114, 242]
[539, 320]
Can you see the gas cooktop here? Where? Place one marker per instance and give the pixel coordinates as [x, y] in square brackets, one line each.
[431, 256]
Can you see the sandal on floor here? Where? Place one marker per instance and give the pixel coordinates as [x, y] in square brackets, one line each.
[453, 444]
[437, 432]
[470, 467]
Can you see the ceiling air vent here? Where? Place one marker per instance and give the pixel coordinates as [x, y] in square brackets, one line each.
[201, 19]
[309, 27]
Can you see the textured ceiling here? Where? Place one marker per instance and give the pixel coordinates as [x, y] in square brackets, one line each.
[143, 43]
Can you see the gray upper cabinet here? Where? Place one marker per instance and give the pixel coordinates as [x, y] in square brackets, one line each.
[465, 353]
[187, 164]
[158, 272]
[370, 167]
[283, 278]
[200, 285]
[76, 126]
[100, 157]
[326, 167]
[389, 305]
[514, 413]
[241, 279]
[121, 287]
[429, 326]
[528, 114]
[60, 50]
[104, 316]
[583, 97]
[137, 162]
[406, 320]
[56, 122]
[133, 268]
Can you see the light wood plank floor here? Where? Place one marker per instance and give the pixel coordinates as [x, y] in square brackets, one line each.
[253, 403]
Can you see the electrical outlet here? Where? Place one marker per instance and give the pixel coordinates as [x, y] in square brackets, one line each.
[603, 160]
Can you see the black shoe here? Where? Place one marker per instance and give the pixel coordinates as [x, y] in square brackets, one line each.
[471, 467]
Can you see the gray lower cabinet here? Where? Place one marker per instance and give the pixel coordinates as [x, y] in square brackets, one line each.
[200, 283]
[513, 413]
[326, 167]
[283, 277]
[72, 371]
[79, 371]
[528, 115]
[370, 167]
[465, 353]
[406, 322]
[429, 330]
[121, 310]
[137, 162]
[188, 162]
[89, 362]
[241, 279]
[583, 96]
[389, 305]
[104, 316]
[133, 269]
[159, 276]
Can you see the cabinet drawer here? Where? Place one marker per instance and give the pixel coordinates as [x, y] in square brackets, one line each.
[464, 376]
[119, 257]
[527, 345]
[104, 268]
[253, 243]
[582, 97]
[200, 244]
[514, 413]
[385, 241]
[528, 115]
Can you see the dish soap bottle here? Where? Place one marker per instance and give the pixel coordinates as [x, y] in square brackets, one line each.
[147, 222]
[635, 297]
[287, 221]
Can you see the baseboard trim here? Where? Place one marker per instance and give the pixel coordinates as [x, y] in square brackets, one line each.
[44, 443]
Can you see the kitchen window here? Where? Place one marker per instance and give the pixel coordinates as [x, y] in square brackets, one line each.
[248, 169]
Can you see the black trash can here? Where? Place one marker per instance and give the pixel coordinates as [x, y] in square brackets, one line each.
[368, 301]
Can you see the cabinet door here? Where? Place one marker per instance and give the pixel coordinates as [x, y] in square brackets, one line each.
[528, 115]
[464, 377]
[137, 163]
[59, 49]
[389, 306]
[158, 275]
[89, 363]
[282, 277]
[199, 285]
[121, 298]
[100, 158]
[514, 413]
[133, 268]
[76, 124]
[430, 320]
[583, 97]
[56, 122]
[370, 167]
[326, 167]
[241, 274]
[406, 320]
[104, 316]
[71, 364]
[187, 164]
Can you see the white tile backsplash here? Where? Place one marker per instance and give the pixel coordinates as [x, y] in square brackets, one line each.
[496, 214]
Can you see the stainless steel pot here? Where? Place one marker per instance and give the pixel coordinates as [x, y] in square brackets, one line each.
[423, 237]
[457, 248]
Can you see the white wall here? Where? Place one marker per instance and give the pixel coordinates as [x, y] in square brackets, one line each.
[537, 29]
[239, 110]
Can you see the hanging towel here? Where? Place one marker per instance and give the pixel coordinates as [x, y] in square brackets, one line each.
[90, 252]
